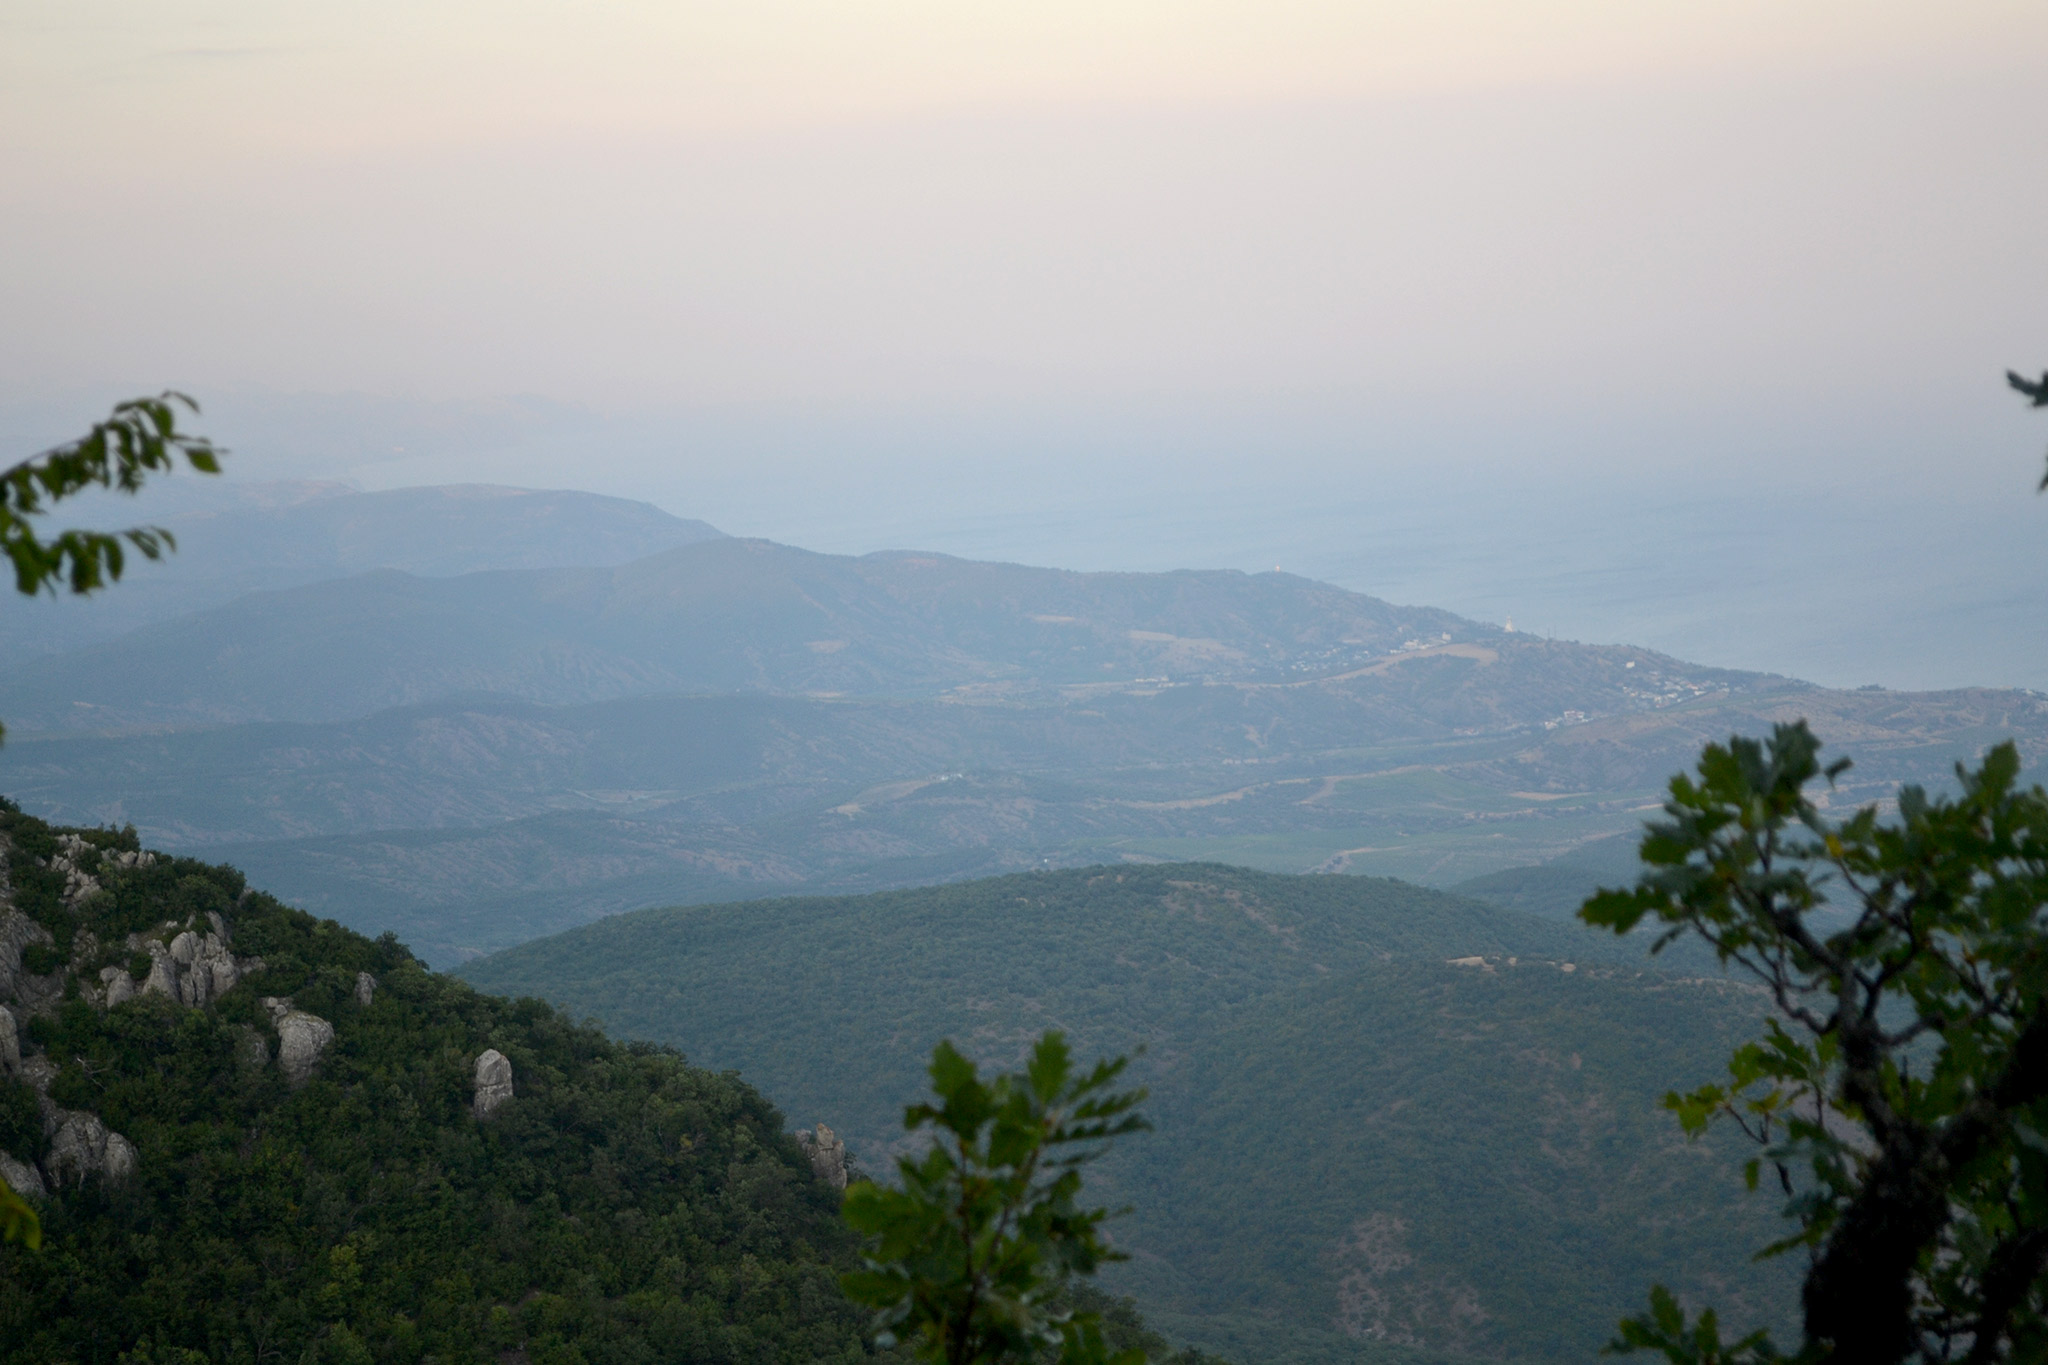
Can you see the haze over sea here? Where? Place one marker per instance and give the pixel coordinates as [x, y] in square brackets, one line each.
[1900, 548]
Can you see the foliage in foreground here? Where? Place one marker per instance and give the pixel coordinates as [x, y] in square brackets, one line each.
[622, 1207]
[1900, 1096]
[139, 436]
[969, 1260]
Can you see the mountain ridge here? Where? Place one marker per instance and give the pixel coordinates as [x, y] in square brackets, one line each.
[715, 615]
[235, 538]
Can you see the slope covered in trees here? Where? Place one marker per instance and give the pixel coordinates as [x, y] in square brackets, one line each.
[1388, 1120]
[268, 1146]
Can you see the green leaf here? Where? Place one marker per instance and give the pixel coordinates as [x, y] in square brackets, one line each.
[966, 1257]
[18, 1221]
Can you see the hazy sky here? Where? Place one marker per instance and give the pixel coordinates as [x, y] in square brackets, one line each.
[925, 203]
[987, 276]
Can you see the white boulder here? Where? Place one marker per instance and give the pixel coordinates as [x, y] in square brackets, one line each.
[493, 1082]
[82, 1146]
[301, 1038]
[24, 1179]
[827, 1151]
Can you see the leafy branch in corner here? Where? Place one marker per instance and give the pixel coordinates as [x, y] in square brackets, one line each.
[139, 436]
[967, 1260]
[2037, 391]
[1899, 1099]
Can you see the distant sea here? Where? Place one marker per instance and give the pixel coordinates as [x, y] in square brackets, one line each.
[1863, 588]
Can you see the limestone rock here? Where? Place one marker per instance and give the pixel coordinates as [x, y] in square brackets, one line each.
[493, 1082]
[366, 989]
[76, 860]
[10, 1043]
[18, 931]
[192, 969]
[119, 985]
[301, 1038]
[24, 1179]
[81, 1146]
[163, 974]
[122, 861]
[122, 1158]
[827, 1152]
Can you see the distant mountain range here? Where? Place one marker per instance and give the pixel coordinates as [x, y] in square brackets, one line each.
[481, 757]
[723, 615]
[239, 538]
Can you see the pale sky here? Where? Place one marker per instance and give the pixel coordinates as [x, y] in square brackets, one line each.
[928, 202]
[911, 271]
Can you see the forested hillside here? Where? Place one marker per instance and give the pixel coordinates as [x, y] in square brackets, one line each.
[257, 1136]
[1385, 1115]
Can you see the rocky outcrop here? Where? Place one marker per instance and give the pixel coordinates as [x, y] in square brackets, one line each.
[827, 1152]
[190, 969]
[81, 1147]
[82, 864]
[18, 931]
[73, 858]
[366, 989]
[493, 1083]
[117, 984]
[301, 1038]
[192, 966]
[24, 1179]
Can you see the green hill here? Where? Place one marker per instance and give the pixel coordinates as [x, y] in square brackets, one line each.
[323, 1178]
[1386, 1116]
